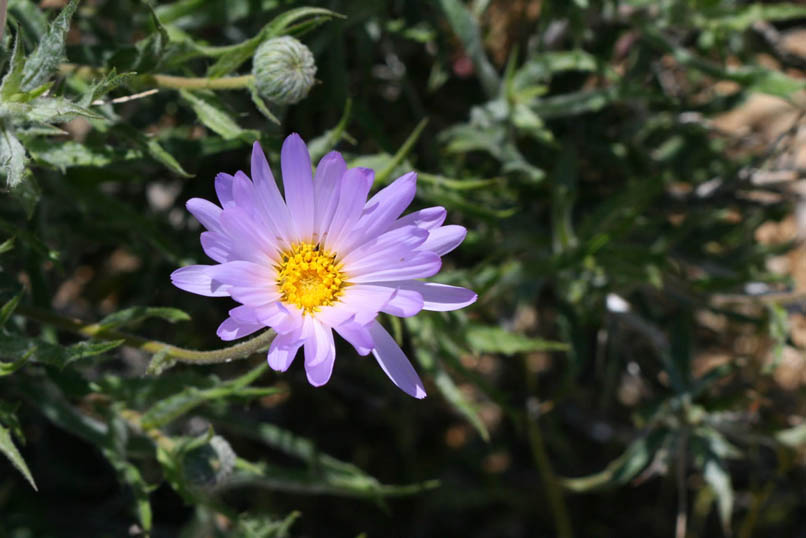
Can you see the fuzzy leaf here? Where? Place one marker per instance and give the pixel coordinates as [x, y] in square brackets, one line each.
[13, 78]
[137, 314]
[49, 51]
[173, 407]
[12, 159]
[215, 118]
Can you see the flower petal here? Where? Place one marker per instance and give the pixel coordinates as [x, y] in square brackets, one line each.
[298, 184]
[438, 297]
[232, 329]
[248, 240]
[223, 188]
[355, 185]
[428, 218]
[383, 246]
[383, 208]
[283, 349]
[198, 279]
[394, 362]
[206, 212]
[444, 239]
[319, 343]
[358, 301]
[357, 335]
[216, 246]
[402, 265]
[273, 208]
[326, 183]
[404, 304]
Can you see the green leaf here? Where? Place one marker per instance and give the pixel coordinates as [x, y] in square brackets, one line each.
[50, 110]
[718, 478]
[320, 145]
[12, 159]
[215, 118]
[324, 482]
[741, 17]
[13, 79]
[624, 468]
[485, 339]
[19, 347]
[541, 67]
[8, 448]
[238, 54]
[109, 82]
[7, 245]
[173, 407]
[137, 314]
[152, 147]
[68, 154]
[397, 158]
[458, 399]
[792, 437]
[49, 51]
[467, 29]
[261, 104]
[114, 449]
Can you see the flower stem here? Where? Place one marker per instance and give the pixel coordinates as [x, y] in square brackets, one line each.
[191, 356]
[167, 81]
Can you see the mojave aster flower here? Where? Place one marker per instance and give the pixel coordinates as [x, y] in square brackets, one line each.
[324, 258]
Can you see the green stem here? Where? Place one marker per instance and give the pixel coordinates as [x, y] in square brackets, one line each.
[168, 81]
[191, 356]
[199, 83]
[562, 522]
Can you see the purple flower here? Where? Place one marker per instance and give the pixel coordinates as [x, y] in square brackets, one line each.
[323, 259]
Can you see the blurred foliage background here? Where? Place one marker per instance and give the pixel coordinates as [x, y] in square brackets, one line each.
[628, 171]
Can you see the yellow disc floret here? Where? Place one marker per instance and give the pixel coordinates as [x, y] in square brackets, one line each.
[309, 277]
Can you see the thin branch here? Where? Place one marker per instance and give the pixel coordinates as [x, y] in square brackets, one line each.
[190, 356]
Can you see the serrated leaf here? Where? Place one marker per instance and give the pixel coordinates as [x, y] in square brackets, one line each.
[109, 82]
[173, 407]
[215, 118]
[624, 468]
[18, 347]
[68, 154]
[152, 147]
[485, 339]
[50, 110]
[61, 356]
[49, 51]
[137, 314]
[8, 448]
[13, 78]
[238, 54]
[12, 159]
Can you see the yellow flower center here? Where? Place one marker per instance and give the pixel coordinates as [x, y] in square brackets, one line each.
[309, 277]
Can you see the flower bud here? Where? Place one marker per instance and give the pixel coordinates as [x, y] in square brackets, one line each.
[284, 70]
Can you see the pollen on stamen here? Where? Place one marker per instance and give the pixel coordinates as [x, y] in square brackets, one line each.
[309, 277]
